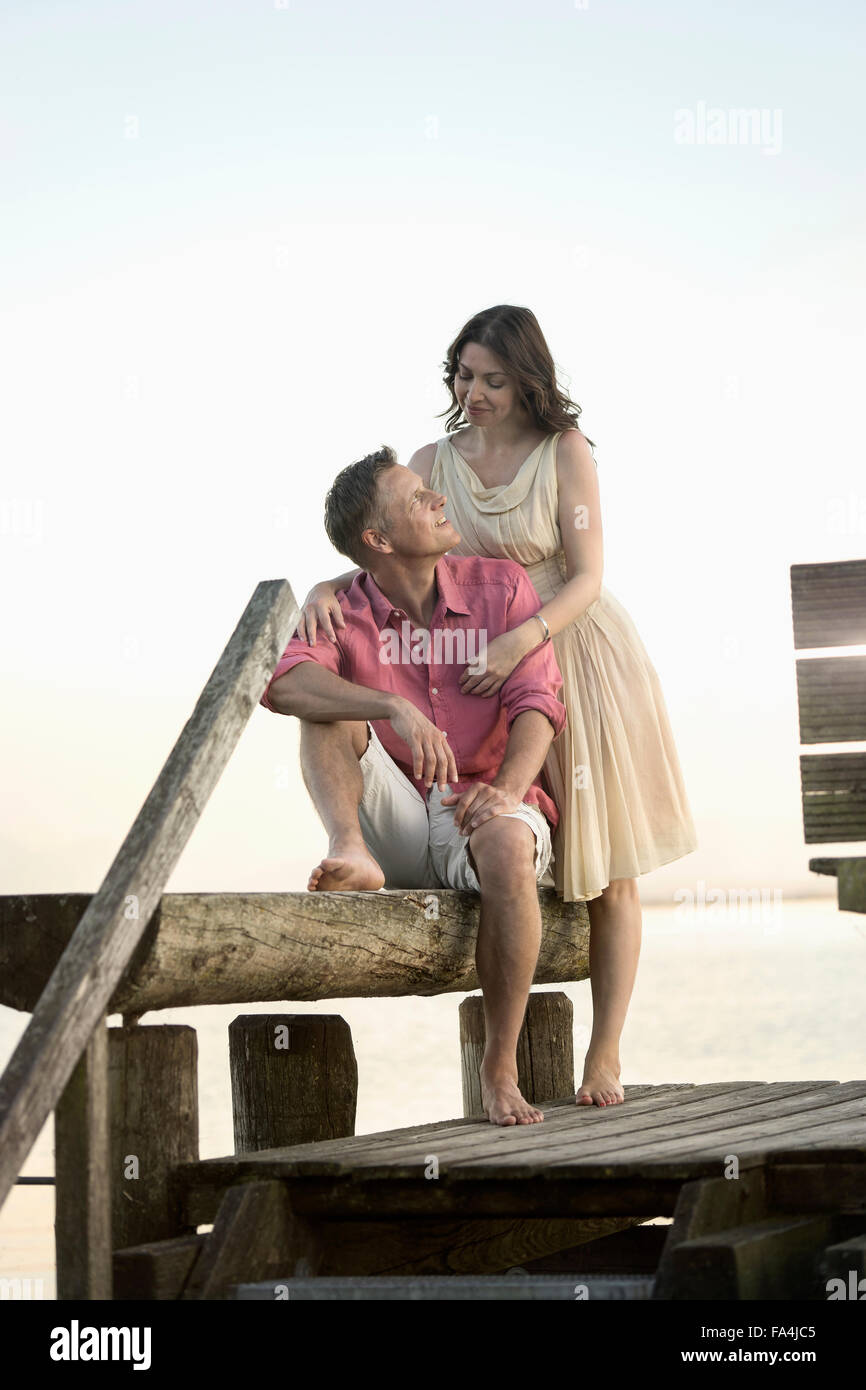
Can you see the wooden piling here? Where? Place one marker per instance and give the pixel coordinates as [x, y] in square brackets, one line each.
[294, 1079]
[545, 1049]
[82, 1221]
[153, 1090]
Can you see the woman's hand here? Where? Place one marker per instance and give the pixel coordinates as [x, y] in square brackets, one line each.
[320, 610]
[498, 660]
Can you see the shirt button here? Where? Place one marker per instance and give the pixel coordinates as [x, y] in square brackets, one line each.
[435, 690]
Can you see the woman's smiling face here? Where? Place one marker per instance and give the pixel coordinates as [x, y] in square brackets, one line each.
[484, 389]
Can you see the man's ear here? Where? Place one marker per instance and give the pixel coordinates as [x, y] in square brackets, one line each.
[374, 540]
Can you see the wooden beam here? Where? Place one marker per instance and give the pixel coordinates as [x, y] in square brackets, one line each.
[256, 1235]
[158, 1270]
[78, 993]
[244, 948]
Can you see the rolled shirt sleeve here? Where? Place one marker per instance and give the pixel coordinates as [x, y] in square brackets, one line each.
[324, 653]
[534, 682]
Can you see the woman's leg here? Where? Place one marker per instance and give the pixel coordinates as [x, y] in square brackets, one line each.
[614, 948]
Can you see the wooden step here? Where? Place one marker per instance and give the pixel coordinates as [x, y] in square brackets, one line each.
[776, 1258]
[491, 1287]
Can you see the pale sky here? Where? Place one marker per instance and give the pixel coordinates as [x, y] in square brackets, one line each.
[237, 239]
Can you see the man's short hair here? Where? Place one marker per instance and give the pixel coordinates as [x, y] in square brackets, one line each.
[353, 504]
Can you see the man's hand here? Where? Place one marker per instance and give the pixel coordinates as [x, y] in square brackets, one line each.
[432, 756]
[479, 803]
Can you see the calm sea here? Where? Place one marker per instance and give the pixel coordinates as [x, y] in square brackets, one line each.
[770, 994]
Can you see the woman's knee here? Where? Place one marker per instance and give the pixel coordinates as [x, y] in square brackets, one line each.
[621, 890]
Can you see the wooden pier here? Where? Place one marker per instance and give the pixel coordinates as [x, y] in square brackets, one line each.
[765, 1182]
[766, 1185]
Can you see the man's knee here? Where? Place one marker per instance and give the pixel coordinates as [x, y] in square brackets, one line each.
[502, 846]
[319, 736]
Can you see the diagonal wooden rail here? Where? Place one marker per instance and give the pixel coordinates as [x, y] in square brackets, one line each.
[76, 997]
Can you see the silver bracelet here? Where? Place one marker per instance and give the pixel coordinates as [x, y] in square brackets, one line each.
[546, 637]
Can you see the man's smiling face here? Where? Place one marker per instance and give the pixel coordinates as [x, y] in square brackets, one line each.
[417, 516]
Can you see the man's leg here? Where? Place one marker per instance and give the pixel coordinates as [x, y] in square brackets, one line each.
[329, 762]
[509, 938]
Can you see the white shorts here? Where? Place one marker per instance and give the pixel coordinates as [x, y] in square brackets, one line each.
[417, 844]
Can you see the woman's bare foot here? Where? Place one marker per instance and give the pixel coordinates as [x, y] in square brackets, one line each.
[503, 1102]
[600, 1085]
[347, 869]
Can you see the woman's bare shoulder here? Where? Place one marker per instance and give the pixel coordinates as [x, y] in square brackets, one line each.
[573, 450]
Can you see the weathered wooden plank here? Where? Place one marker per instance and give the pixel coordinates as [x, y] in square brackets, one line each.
[608, 1131]
[753, 1140]
[157, 1270]
[615, 1141]
[82, 1222]
[831, 695]
[256, 1235]
[815, 1101]
[829, 604]
[425, 1147]
[240, 948]
[343, 1155]
[78, 993]
[153, 1083]
[834, 796]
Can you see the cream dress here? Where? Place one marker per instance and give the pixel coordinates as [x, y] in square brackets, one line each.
[613, 772]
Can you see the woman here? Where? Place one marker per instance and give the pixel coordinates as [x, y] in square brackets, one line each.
[520, 480]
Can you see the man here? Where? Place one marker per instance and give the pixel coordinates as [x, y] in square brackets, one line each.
[418, 784]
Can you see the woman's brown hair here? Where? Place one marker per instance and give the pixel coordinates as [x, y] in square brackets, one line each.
[514, 335]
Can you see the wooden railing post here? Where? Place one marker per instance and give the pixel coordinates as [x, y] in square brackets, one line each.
[78, 993]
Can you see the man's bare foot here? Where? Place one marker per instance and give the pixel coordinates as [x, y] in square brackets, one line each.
[349, 870]
[503, 1102]
[600, 1085]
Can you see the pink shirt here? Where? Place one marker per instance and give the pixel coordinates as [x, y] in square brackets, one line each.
[478, 599]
